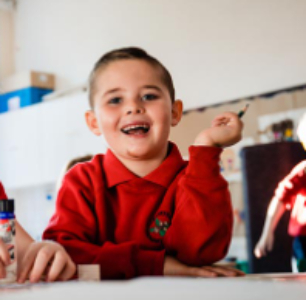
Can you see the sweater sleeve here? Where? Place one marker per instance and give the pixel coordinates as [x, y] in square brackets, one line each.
[2, 192]
[201, 227]
[74, 225]
[292, 184]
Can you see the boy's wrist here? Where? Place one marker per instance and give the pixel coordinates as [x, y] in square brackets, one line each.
[205, 141]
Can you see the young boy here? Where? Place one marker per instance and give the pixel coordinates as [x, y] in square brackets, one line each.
[290, 193]
[36, 259]
[140, 209]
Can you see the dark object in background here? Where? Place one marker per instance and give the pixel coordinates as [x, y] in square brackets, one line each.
[287, 130]
[283, 131]
[263, 167]
[277, 132]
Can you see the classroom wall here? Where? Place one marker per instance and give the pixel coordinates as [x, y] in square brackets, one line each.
[7, 59]
[195, 121]
[216, 50]
[34, 206]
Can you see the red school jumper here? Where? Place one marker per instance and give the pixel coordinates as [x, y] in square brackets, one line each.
[107, 215]
[292, 192]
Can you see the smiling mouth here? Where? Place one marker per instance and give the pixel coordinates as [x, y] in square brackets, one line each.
[136, 129]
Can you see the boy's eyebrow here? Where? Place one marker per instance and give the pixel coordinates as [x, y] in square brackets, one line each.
[155, 87]
[112, 91]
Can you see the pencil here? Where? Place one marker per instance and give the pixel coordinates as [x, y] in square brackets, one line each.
[242, 112]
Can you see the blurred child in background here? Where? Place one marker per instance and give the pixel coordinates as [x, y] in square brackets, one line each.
[290, 194]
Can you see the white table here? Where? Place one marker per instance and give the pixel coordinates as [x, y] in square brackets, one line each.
[157, 288]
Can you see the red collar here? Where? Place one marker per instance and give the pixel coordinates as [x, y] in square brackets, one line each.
[117, 173]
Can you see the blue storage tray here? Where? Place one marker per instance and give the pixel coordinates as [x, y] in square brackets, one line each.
[27, 96]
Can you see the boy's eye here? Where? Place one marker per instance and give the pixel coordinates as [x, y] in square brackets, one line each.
[149, 97]
[114, 100]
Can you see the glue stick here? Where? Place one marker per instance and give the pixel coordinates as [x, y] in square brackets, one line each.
[7, 234]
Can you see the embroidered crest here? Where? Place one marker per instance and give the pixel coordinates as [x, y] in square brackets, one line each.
[159, 226]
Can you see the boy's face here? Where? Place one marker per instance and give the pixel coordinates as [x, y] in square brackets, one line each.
[133, 110]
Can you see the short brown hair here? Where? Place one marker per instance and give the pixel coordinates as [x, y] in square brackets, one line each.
[71, 163]
[76, 160]
[129, 53]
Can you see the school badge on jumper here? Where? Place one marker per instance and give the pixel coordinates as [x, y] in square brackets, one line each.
[159, 226]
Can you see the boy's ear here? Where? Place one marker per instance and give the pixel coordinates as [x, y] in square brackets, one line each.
[177, 112]
[92, 122]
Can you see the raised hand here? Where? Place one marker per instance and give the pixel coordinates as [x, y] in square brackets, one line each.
[225, 131]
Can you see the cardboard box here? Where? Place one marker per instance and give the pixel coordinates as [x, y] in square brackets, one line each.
[21, 98]
[28, 79]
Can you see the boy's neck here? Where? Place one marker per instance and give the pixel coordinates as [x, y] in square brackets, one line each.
[143, 167]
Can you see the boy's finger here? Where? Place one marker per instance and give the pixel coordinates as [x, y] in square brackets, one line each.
[4, 254]
[40, 264]
[238, 272]
[199, 272]
[219, 120]
[26, 266]
[226, 271]
[2, 270]
[218, 271]
[57, 267]
[68, 272]
[218, 123]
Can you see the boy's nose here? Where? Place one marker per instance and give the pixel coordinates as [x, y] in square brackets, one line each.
[135, 110]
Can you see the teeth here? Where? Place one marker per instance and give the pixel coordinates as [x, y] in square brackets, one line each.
[130, 128]
[144, 126]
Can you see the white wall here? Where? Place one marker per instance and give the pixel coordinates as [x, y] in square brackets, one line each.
[34, 207]
[6, 40]
[216, 50]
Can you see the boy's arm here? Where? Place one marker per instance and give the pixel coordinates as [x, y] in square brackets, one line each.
[74, 225]
[23, 241]
[201, 227]
[202, 223]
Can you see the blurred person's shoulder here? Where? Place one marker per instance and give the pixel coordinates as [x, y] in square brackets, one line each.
[88, 170]
[299, 169]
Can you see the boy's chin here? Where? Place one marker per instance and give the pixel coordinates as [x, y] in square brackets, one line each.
[137, 153]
